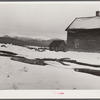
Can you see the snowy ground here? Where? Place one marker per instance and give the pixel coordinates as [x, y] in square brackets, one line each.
[18, 75]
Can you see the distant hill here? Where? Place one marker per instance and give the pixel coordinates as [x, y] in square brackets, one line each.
[22, 41]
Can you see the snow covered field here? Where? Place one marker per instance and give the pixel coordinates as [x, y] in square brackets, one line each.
[18, 75]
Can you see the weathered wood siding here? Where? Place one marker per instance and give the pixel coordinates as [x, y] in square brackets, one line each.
[84, 40]
[62, 47]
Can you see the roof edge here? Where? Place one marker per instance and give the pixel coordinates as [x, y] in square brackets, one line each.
[78, 18]
[70, 24]
[88, 17]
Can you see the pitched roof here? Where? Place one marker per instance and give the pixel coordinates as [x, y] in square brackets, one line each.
[56, 43]
[85, 23]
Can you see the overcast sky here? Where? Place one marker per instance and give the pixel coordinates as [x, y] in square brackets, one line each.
[48, 19]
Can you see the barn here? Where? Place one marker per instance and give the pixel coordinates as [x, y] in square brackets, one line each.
[83, 34]
[57, 45]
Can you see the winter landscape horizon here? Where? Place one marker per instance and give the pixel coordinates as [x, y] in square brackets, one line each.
[31, 67]
[49, 46]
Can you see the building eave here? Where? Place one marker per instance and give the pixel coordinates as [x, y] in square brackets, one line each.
[70, 24]
[68, 28]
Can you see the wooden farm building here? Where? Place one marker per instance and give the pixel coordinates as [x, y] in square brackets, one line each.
[57, 45]
[83, 34]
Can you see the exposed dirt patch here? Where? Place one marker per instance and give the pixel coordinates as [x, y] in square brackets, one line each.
[88, 71]
[7, 53]
[29, 61]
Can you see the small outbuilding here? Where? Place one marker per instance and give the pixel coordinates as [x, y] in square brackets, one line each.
[83, 34]
[57, 45]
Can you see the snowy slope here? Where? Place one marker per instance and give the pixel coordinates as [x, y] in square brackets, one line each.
[18, 75]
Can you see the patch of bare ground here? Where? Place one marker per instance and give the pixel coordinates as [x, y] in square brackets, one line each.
[88, 71]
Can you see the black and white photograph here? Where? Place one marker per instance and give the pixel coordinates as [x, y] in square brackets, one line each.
[49, 46]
